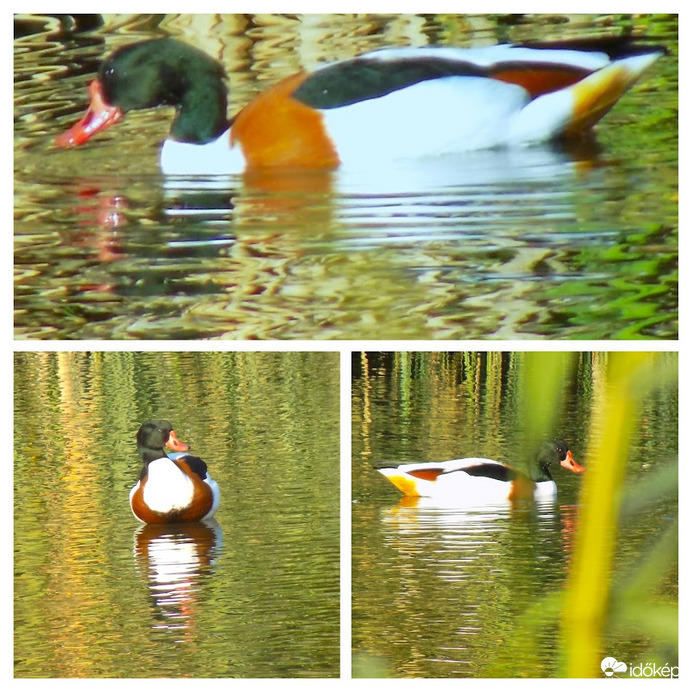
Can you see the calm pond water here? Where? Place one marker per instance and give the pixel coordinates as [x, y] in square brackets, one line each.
[253, 594]
[559, 242]
[443, 592]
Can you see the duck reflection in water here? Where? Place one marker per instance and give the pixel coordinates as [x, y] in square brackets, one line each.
[175, 560]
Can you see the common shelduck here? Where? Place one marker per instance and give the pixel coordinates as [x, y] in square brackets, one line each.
[171, 489]
[388, 105]
[481, 481]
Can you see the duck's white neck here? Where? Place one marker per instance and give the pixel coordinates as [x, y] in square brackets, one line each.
[214, 158]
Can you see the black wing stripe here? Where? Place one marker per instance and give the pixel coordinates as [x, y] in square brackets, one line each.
[352, 81]
[497, 472]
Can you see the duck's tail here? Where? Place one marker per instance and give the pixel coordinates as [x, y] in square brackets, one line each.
[576, 108]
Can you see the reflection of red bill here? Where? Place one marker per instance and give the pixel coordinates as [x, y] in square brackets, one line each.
[175, 444]
[99, 116]
[571, 465]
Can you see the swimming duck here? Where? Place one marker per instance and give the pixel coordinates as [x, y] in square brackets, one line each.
[170, 489]
[386, 105]
[480, 481]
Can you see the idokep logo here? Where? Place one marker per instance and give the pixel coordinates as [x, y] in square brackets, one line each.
[611, 667]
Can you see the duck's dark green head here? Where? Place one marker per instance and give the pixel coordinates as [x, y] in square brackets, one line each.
[158, 72]
[554, 452]
[153, 436]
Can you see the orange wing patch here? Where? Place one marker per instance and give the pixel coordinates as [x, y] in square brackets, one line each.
[277, 130]
[426, 474]
[538, 81]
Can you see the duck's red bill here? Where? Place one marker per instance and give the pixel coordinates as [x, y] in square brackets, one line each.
[571, 465]
[175, 444]
[100, 116]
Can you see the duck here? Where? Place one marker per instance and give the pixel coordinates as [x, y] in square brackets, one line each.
[171, 488]
[472, 481]
[385, 106]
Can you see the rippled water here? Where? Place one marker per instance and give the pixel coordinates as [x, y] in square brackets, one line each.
[458, 580]
[254, 593]
[577, 242]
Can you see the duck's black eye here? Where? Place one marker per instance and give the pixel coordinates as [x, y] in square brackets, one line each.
[560, 448]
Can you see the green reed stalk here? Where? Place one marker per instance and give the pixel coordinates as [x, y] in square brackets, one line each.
[589, 585]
